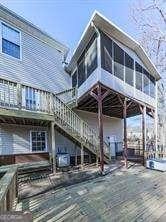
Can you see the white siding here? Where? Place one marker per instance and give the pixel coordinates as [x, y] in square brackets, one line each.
[116, 84]
[62, 143]
[111, 126]
[41, 66]
[15, 139]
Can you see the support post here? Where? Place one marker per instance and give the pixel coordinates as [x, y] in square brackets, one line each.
[156, 131]
[144, 132]
[100, 119]
[82, 156]
[76, 160]
[99, 97]
[53, 147]
[125, 131]
[97, 159]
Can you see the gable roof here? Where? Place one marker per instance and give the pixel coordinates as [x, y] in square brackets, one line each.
[110, 28]
[21, 23]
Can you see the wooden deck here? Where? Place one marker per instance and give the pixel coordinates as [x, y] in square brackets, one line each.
[136, 194]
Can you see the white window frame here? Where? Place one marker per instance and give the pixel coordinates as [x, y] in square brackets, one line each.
[10, 26]
[46, 149]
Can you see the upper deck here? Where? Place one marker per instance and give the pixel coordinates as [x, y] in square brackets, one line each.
[107, 55]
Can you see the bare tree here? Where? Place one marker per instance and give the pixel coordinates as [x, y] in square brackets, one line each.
[150, 19]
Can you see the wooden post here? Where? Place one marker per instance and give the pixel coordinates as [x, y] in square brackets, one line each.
[99, 97]
[100, 119]
[97, 159]
[19, 95]
[53, 146]
[125, 106]
[76, 160]
[143, 112]
[144, 132]
[125, 131]
[82, 156]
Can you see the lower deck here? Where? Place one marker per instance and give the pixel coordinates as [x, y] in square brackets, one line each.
[135, 194]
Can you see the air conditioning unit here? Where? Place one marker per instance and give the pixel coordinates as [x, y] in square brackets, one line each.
[156, 164]
[63, 160]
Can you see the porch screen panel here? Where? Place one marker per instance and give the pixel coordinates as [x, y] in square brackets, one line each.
[91, 59]
[152, 86]
[129, 70]
[146, 85]
[139, 75]
[74, 79]
[106, 53]
[81, 72]
[118, 62]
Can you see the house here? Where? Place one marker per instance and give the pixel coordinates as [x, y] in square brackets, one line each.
[80, 109]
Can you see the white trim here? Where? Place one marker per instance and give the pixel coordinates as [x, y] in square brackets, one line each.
[46, 148]
[20, 38]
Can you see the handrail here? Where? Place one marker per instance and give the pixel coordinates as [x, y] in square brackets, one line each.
[80, 126]
[155, 154]
[23, 97]
[66, 91]
[68, 96]
[8, 188]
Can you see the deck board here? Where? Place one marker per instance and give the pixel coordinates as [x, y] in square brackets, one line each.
[136, 194]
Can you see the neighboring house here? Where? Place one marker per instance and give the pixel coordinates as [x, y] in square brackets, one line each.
[46, 109]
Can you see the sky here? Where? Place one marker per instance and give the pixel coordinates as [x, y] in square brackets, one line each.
[65, 20]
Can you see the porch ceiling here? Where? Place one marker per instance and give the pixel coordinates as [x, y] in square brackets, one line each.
[21, 117]
[23, 121]
[111, 104]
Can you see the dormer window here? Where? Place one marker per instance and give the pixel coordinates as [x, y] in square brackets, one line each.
[10, 41]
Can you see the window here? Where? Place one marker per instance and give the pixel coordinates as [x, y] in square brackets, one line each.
[74, 79]
[106, 53]
[81, 72]
[152, 86]
[87, 62]
[91, 59]
[30, 98]
[138, 72]
[129, 70]
[146, 85]
[118, 62]
[38, 141]
[10, 41]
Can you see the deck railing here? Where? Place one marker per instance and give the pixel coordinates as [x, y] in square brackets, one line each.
[68, 96]
[8, 188]
[22, 97]
[151, 154]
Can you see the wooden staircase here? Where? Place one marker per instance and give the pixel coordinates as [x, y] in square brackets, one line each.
[68, 121]
[56, 106]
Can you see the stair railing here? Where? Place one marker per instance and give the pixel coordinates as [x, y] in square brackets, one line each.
[68, 96]
[74, 123]
[20, 96]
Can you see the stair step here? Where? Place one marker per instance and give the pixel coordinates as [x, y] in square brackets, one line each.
[64, 115]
